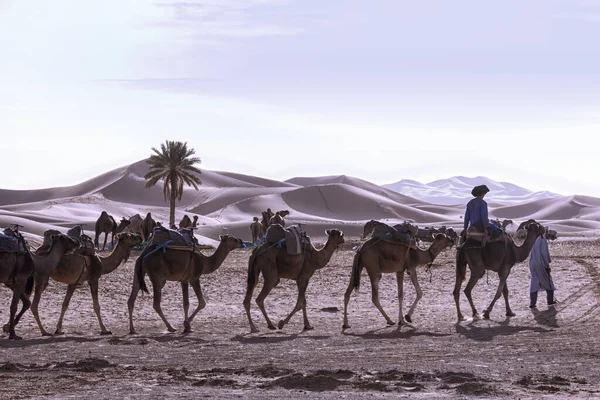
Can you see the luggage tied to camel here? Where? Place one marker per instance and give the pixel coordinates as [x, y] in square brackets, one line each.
[292, 237]
[13, 242]
[403, 233]
[182, 239]
[86, 244]
[479, 236]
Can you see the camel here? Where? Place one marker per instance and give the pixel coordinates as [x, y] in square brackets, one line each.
[380, 256]
[367, 230]
[75, 269]
[148, 225]
[256, 228]
[278, 218]
[177, 265]
[186, 222]
[266, 218]
[16, 272]
[495, 256]
[502, 224]
[521, 232]
[106, 224]
[275, 263]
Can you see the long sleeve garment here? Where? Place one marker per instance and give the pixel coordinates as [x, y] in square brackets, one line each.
[539, 262]
[477, 214]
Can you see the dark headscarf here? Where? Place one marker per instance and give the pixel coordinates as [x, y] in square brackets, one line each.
[479, 190]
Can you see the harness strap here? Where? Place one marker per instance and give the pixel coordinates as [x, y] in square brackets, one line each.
[162, 246]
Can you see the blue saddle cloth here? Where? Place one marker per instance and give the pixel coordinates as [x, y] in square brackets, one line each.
[11, 242]
[171, 237]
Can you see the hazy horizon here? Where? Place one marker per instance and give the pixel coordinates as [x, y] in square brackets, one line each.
[281, 89]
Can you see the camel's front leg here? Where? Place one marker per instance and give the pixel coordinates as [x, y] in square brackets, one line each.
[94, 291]
[65, 305]
[248, 300]
[157, 286]
[14, 305]
[201, 303]
[412, 272]
[375, 277]
[135, 289]
[41, 282]
[400, 281]
[104, 244]
[346, 325]
[186, 306]
[486, 313]
[475, 276]
[509, 312]
[26, 305]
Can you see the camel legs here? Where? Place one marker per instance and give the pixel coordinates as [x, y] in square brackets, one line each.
[400, 281]
[135, 289]
[419, 293]
[247, 300]
[14, 305]
[157, 286]
[41, 283]
[271, 279]
[65, 305]
[26, 305]
[105, 237]
[375, 277]
[499, 292]
[346, 325]
[476, 275]
[201, 304]
[509, 312]
[300, 305]
[94, 291]
[186, 305]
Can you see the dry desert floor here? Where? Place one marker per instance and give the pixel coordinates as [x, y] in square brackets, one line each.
[539, 353]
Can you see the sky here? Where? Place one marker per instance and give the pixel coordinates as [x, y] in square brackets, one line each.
[380, 90]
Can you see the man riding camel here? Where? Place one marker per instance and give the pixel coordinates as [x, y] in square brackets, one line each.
[476, 214]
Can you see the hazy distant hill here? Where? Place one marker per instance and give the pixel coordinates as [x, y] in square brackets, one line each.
[457, 190]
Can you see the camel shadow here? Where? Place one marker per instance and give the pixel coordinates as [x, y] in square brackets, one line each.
[251, 338]
[547, 317]
[395, 333]
[488, 333]
[172, 337]
[23, 343]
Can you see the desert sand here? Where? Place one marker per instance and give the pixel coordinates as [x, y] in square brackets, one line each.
[549, 352]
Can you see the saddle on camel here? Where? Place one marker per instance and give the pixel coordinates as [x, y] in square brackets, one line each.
[404, 233]
[86, 243]
[11, 241]
[177, 239]
[293, 238]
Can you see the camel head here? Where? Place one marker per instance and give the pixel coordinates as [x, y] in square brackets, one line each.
[124, 223]
[255, 219]
[441, 242]
[535, 228]
[335, 236]
[129, 239]
[283, 213]
[195, 220]
[522, 230]
[231, 242]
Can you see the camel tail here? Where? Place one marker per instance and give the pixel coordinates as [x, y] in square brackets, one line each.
[139, 273]
[461, 265]
[357, 267]
[29, 286]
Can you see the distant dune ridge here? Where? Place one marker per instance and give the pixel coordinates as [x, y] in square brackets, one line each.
[227, 201]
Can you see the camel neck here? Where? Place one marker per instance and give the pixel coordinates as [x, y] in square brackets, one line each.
[115, 258]
[426, 256]
[323, 256]
[522, 251]
[214, 261]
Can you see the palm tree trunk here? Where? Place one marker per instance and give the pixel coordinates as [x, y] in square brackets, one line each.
[172, 205]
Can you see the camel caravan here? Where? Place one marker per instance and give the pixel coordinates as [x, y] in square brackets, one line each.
[278, 252]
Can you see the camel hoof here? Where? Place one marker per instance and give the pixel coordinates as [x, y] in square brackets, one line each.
[254, 330]
[171, 329]
[486, 314]
[132, 332]
[15, 337]
[390, 322]
[408, 318]
[58, 333]
[510, 314]
[46, 334]
[308, 328]
[271, 327]
[281, 324]
[106, 333]
[6, 328]
[345, 326]
[187, 327]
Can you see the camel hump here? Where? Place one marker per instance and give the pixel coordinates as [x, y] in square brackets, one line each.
[12, 242]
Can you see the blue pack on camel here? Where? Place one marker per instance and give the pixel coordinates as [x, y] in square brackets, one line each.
[402, 233]
[163, 238]
[12, 242]
[293, 238]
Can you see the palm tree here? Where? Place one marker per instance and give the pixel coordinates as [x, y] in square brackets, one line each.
[173, 164]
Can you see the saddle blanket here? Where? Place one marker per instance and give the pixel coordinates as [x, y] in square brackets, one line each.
[293, 238]
[11, 243]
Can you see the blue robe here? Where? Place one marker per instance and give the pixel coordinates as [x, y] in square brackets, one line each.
[539, 262]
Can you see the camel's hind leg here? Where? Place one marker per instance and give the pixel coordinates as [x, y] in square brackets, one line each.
[248, 300]
[26, 305]
[375, 277]
[476, 275]
[346, 325]
[300, 305]
[186, 305]
[201, 304]
[157, 285]
[65, 305]
[14, 305]
[271, 279]
[41, 283]
[94, 291]
[419, 294]
[135, 289]
[499, 291]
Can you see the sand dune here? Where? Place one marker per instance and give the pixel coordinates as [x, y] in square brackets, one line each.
[227, 202]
